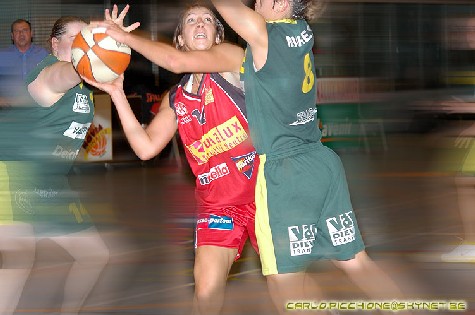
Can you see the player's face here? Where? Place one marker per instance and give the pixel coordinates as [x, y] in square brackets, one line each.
[199, 30]
[64, 43]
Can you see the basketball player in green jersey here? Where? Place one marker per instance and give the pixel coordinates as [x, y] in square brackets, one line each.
[304, 212]
[40, 141]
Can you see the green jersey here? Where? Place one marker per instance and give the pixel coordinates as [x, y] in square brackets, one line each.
[281, 96]
[59, 130]
[42, 145]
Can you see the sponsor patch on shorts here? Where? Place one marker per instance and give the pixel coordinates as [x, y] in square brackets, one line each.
[215, 222]
[341, 229]
[302, 239]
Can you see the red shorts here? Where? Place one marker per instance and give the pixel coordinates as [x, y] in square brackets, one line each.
[227, 227]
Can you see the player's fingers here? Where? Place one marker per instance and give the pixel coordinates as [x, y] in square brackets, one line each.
[132, 27]
[107, 15]
[115, 9]
[124, 12]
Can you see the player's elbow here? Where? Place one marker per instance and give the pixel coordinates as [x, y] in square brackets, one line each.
[147, 152]
[145, 155]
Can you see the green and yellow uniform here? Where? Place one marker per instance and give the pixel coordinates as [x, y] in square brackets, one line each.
[40, 146]
[303, 205]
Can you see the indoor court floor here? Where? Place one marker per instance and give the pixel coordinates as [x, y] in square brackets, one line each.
[404, 201]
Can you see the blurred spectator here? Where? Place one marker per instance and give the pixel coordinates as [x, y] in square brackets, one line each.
[17, 60]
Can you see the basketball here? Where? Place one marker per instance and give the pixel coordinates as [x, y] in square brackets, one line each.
[99, 57]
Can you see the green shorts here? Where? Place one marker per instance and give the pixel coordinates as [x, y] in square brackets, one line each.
[43, 199]
[304, 211]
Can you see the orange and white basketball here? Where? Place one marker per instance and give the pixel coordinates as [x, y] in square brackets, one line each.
[99, 57]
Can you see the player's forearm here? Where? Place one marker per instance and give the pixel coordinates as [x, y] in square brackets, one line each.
[162, 54]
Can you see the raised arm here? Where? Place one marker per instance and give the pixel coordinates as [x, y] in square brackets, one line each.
[146, 143]
[220, 58]
[248, 24]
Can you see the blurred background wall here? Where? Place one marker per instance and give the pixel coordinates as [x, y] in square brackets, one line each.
[405, 44]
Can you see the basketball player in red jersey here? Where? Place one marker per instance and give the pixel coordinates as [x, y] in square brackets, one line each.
[209, 113]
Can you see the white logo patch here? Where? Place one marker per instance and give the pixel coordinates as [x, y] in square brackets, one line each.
[81, 104]
[302, 239]
[77, 130]
[341, 229]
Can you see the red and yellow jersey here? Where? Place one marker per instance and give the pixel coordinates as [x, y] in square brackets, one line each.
[213, 128]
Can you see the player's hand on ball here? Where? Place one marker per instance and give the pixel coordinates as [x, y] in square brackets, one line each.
[108, 87]
[113, 30]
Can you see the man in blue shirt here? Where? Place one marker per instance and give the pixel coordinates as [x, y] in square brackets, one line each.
[18, 59]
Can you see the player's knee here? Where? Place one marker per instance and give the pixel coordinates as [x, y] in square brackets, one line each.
[208, 286]
[206, 291]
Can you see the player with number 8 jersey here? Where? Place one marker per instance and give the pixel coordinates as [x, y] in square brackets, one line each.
[318, 221]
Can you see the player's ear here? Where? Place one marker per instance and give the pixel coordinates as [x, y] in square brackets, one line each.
[281, 5]
[54, 46]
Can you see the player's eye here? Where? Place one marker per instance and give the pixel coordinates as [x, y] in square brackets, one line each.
[190, 20]
[208, 20]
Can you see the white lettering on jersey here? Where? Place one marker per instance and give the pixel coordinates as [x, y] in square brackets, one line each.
[215, 172]
[305, 117]
[63, 153]
[300, 40]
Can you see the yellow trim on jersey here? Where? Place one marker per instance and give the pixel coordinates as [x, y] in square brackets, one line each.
[263, 230]
[6, 215]
[288, 21]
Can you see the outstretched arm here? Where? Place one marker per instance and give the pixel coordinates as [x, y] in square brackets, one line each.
[149, 142]
[220, 58]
